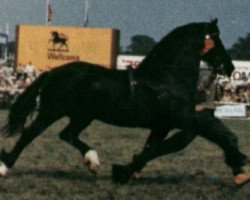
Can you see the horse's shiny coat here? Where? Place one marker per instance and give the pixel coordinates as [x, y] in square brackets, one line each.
[163, 98]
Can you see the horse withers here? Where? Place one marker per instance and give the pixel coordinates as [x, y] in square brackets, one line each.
[163, 98]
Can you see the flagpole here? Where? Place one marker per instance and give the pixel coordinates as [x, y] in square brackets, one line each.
[46, 12]
[86, 13]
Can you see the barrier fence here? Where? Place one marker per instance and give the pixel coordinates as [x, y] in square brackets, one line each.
[11, 87]
[232, 97]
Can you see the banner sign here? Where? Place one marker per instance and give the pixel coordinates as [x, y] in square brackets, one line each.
[125, 60]
[241, 74]
[230, 111]
[47, 47]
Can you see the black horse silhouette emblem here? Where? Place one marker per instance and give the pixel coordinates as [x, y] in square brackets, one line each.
[61, 39]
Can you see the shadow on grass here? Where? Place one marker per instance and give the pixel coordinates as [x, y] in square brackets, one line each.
[184, 179]
[59, 174]
[177, 179]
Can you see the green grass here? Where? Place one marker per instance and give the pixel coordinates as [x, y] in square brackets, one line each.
[49, 169]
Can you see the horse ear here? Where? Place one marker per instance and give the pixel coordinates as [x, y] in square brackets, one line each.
[214, 21]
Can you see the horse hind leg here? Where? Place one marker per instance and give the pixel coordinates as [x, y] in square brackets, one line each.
[7, 160]
[71, 135]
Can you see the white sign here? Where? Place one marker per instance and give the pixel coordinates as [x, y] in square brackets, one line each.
[230, 111]
[125, 60]
[241, 73]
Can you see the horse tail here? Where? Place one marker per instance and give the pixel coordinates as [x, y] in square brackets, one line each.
[23, 106]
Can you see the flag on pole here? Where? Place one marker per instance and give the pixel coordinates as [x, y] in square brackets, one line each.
[49, 14]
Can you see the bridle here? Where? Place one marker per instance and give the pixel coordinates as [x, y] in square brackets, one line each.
[209, 43]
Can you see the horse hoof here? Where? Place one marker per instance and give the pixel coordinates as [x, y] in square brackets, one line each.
[3, 169]
[242, 178]
[120, 174]
[137, 175]
[91, 160]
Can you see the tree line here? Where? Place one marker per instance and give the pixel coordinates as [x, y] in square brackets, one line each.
[143, 44]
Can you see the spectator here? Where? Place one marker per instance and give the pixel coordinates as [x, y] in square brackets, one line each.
[226, 96]
[247, 93]
[6, 71]
[30, 71]
[242, 94]
[234, 97]
[219, 92]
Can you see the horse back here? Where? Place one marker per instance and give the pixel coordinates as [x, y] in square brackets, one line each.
[81, 89]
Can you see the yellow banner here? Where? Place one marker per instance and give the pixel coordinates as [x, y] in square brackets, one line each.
[47, 47]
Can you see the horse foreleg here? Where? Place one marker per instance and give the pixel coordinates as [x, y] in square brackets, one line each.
[59, 48]
[63, 44]
[175, 143]
[187, 121]
[215, 131]
[7, 160]
[155, 136]
[70, 135]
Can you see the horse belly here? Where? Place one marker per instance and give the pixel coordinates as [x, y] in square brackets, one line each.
[127, 118]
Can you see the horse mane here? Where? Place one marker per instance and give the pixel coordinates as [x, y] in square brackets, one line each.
[55, 34]
[168, 53]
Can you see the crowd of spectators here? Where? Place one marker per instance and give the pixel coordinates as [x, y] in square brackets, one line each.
[227, 92]
[14, 82]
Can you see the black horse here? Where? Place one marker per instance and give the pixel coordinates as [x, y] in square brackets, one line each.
[159, 95]
[59, 39]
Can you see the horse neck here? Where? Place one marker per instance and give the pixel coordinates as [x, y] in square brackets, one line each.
[179, 50]
[171, 60]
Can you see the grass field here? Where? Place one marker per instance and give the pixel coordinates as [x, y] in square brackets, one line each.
[49, 169]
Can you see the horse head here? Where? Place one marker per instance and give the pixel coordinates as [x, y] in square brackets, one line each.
[182, 50]
[55, 34]
[214, 52]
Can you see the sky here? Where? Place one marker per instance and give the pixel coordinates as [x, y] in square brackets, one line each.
[154, 18]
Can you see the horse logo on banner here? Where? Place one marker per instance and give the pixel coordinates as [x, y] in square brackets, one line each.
[59, 42]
